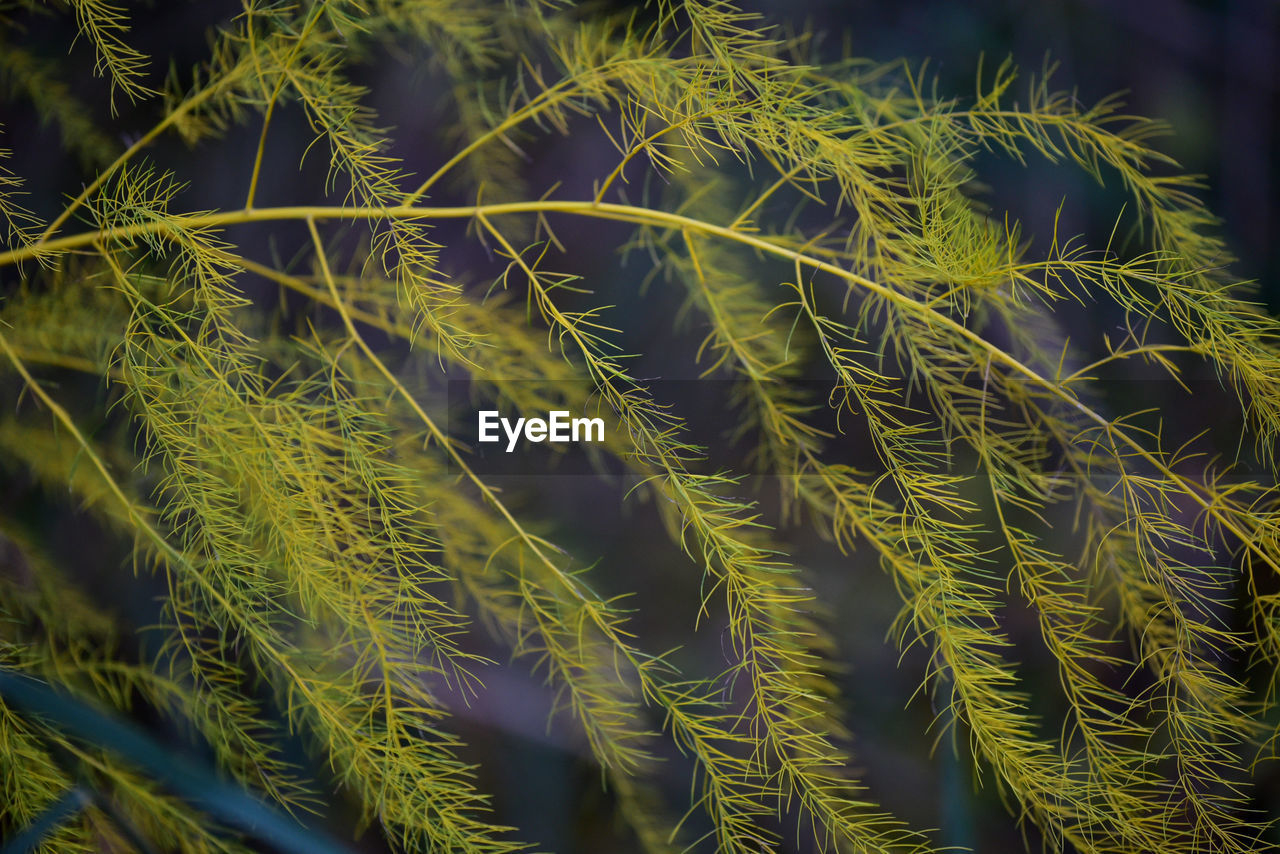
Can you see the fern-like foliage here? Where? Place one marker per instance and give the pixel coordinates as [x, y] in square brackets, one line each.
[328, 550]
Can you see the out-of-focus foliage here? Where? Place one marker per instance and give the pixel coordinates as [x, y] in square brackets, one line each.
[327, 552]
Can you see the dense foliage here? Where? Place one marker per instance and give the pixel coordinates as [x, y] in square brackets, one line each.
[264, 419]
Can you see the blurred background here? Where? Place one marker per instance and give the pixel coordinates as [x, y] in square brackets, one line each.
[1211, 69]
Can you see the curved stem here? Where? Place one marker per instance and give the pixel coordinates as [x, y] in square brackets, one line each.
[544, 99]
[648, 216]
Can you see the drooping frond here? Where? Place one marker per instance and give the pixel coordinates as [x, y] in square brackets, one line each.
[268, 406]
[105, 26]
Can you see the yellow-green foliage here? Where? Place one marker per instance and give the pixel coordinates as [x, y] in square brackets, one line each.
[326, 549]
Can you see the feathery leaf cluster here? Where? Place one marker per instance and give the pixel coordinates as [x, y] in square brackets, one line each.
[268, 440]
